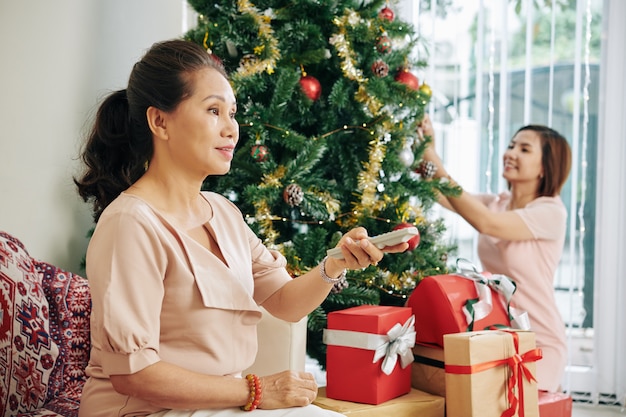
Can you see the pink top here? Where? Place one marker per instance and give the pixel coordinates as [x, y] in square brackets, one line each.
[532, 265]
[157, 295]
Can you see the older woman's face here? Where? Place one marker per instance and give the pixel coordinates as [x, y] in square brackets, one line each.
[522, 159]
[203, 130]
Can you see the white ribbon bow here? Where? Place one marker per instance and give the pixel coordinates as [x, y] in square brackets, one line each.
[502, 285]
[398, 341]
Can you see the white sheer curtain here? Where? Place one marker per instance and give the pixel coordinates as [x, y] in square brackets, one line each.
[609, 370]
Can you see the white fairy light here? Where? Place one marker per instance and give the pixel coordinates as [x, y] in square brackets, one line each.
[490, 105]
[584, 136]
[551, 76]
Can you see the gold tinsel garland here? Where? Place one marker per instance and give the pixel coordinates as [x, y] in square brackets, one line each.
[368, 179]
[348, 65]
[263, 214]
[266, 36]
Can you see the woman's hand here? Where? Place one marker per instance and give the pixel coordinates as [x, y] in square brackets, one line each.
[287, 389]
[358, 252]
[425, 128]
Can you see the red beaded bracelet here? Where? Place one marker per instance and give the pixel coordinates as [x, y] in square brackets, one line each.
[254, 398]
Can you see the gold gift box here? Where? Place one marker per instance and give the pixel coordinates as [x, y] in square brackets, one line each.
[427, 370]
[478, 366]
[415, 403]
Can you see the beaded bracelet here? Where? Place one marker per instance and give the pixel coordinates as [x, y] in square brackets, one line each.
[325, 276]
[254, 398]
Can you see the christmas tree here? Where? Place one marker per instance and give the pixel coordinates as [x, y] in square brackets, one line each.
[328, 106]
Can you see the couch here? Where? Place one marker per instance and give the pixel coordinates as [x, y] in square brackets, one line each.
[44, 336]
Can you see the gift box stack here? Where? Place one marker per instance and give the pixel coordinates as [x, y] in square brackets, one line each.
[467, 345]
[368, 364]
[479, 372]
[448, 304]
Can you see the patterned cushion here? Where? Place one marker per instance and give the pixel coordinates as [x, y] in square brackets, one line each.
[44, 335]
[27, 353]
[70, 308]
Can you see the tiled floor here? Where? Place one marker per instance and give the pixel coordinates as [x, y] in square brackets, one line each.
[586, 410]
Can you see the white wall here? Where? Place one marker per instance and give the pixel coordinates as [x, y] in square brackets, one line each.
[59, 58]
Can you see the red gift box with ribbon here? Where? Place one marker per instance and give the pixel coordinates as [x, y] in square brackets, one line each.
[555, 404]
[465, 301]
[368, 353]
[491, 373]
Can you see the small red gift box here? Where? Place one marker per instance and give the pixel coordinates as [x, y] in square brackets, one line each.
[554, 404]
[444, 304]
[368, 353]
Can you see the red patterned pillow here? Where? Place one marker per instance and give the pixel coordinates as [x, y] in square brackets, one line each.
[27, 351]
[70, 308]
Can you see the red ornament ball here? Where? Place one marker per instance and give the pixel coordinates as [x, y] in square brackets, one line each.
[415, 240]
[407, 78]
[386, 13]
[383, 44]
[259, 153]
[311, 87]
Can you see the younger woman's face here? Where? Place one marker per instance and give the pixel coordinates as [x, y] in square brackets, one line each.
[522, 159]
[203, 130]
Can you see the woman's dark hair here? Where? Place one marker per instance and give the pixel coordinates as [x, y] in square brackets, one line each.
[120, 142]
[556, 160]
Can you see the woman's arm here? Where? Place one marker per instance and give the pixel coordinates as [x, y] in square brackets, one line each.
[302, 295]
[169, 386]
[506, 225]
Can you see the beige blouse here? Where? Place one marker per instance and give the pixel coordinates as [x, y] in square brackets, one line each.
[158, 295]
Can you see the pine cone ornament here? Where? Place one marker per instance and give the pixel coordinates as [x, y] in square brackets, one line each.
[380, 68]
[293, 195]
[426, 169]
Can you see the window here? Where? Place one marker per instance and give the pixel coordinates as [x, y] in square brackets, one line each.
[496, 66]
